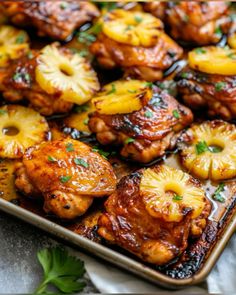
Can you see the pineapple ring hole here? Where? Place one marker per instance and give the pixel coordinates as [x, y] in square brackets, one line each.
[10, 130]
[66, 69]
[216, 146]
[172, 189]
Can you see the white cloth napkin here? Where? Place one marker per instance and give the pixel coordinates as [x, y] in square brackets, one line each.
[109, 279]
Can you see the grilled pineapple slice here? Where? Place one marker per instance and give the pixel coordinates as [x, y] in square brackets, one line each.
[60, 71]
[79, 120]
[213, 60]
[122, 97]
[168, 193]
[7, 180]
[232, 40]
[13, 44]
[132, 28]
[20, 128]
[211, 152]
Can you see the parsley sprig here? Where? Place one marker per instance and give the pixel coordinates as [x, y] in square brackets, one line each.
[60, 270]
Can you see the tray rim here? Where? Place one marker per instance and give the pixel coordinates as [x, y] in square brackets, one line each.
[119, 259]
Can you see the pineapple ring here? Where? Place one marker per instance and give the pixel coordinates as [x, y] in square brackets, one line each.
[132, 28]
[65, 73]
[232, 40]
[168, 193]
[13, 43]
[20, 128]
[213, 60]
[7, 180]
[122, 97]
[212, 151]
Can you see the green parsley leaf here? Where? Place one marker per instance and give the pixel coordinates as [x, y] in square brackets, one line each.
[218, 31]
[148, 114]
[51, 159]
[81, 109]
[201, 147]
[81, 162]
[65, 179]
[109, 6]
[20, 39]
[69, 147]
[3, 112]
[19, 77]
[63, 5]
[113, 89]
[185, 18]
[86, 121]
[176, 114]
[177, 198]
[148, 84]
[129, 140]
[60, 270]
[220, 86]
[129, 27]
[217, 196]
[184, 75]
[83, 53]
[200, 50]
[232, 55]
[138, 19]
[89, 36]
[101, 152]
[30, 55]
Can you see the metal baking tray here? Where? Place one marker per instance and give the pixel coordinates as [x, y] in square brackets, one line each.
[193, 266]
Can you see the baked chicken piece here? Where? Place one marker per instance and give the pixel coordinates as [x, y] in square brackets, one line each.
[196, 22]
[138, 116]
[55, 19]
[153, 212]
[51, 80]
[67, 173]
[210, 81]
[136, 42]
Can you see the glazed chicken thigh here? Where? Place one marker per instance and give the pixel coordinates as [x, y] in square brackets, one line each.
[56, 19]
[67, 173]
[153, 212]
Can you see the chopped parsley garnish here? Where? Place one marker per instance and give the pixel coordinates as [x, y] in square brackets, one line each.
[217, 196]
[148, 114]
[20, 39]
[69, 147]
[82, 108]
[65, 179]
[200, 50]
[185, 18]
[176, 114]
[107, 5]
[218, 31]
[201, 147]
[129, 27]
[232, 55]
[81, 162]
[177, 198]
[138, 18]
[148, 84]
[3, 112]
[86, 121]
[101, 152]
[83, 53]
[30, 54]
[129, 140]
[19, 77]
[184, 75]
[63, 5]
[113, 89]
[89, 36]
[51, 159]
[220, 86]
[132, 91]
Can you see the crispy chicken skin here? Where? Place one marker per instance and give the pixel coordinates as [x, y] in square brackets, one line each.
[193, 21]
[18, 82]
[55, 19]
[67, 173]
[153, 129]
[127, 223]
[147, 63]
[200, 90]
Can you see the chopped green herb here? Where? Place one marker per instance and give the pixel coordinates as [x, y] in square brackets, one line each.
[3, 112]
[113, 89]
[51, 159]
[176, 114]
[86, 38]
[30, 55]
[81, 109]
[83, 53]
[185, 18]
[184, 75]
[200, 50]
[101, 152]
[132, 91]
[109, 6]
[201, 147]
[148, 84]
[129, 27]
[138, 19]
[81, 162]
[220, 86]
[65, 179]
[60, 270]
[18, 77]
[20, 39]
[217, 196]
[218, 31]
[232, 55]
[69, 147]
[215, 149]
[63, 5]
[148, 114]
[129, 140]
[177, 198]
[86, 121]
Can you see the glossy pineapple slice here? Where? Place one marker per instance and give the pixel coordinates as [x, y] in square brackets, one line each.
[232, 40]
[79, 120]
[169, 193]
[20, 128]
[7, 180]
[13, 44]
[211, 152]
[122, 97]
[213, 60]
[60, 71]
[131, 27]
